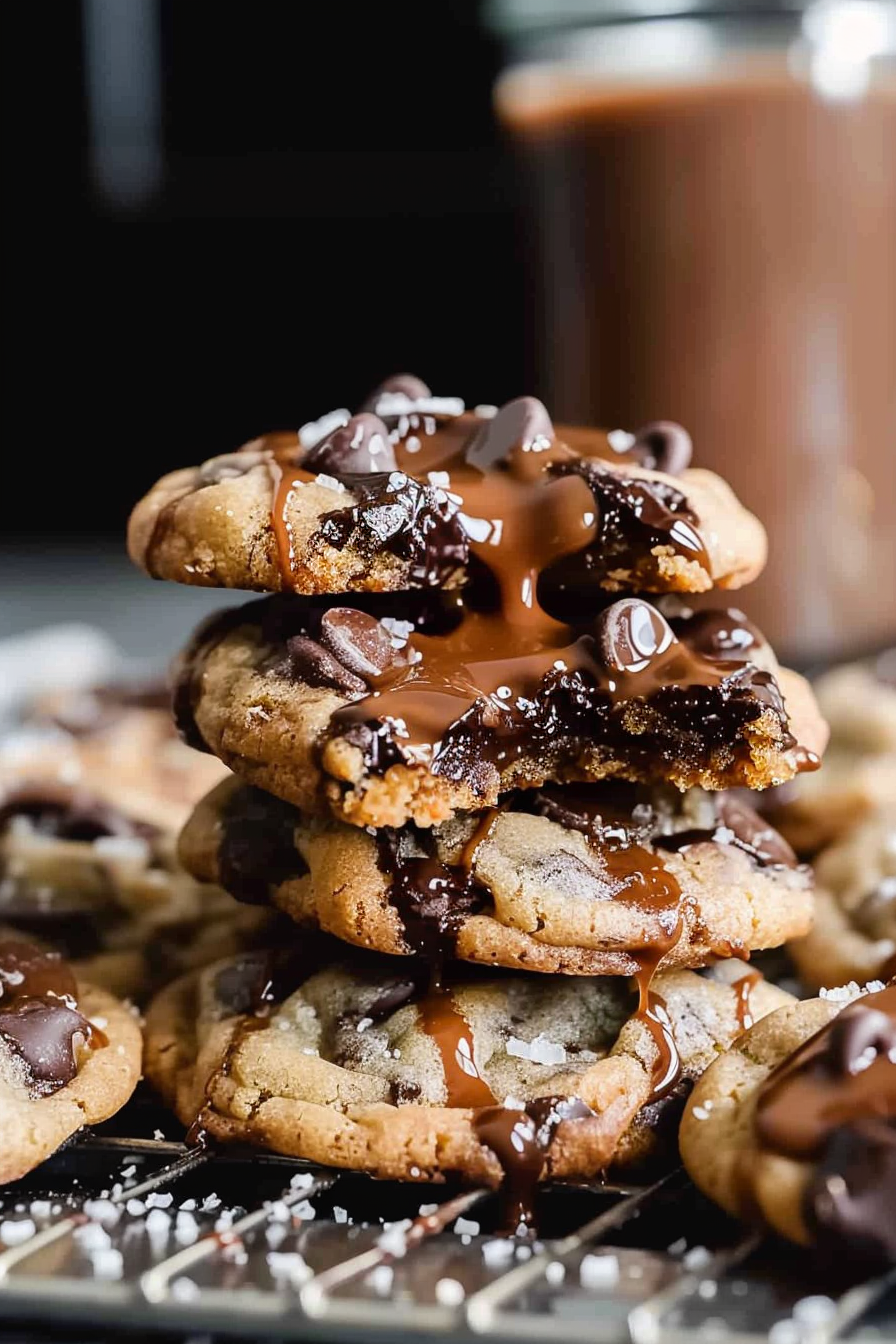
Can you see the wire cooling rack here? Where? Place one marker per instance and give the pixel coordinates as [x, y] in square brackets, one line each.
[141, 1233]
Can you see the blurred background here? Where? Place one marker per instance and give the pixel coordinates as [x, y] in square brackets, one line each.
[231, 218]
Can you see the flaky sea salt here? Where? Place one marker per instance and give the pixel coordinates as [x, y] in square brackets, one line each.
[288, 1265]
[497, 1253]
[539, 1050]
[394, 1237]
[92, 1237]
[103, 1211]
[598, 1272]
[340, 1215]
[468, 1225]
[450, 1292]
[303, 1180]
[136, 1208]
[107, 1263]
[555, 1273]
[814, 1310]
[157, 1201]
[14, 1233]
[698, 1257]
[380, 1279]
[210, 1203]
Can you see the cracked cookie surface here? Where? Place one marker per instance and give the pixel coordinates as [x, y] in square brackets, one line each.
[351, 1065]
[402, 495]
[582, 880]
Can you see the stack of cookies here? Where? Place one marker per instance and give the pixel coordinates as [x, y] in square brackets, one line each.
[492, 766]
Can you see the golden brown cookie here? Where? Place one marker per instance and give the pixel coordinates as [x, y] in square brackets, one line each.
[358, 1064]
[405, 494]
[854, 933]
[859, 771]
[69, 1055]
[576, 881]
[117, 743]
[316, 703]
[796, 1125]
[110, 892]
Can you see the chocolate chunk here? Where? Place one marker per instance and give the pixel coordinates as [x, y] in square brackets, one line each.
[433, 899]
[391, 999]
[257, 850]
[858, 1035]
[402, 384]
[631, 633]
[663, 446]
[240, 983]
[752, 833]
[523, 423]
[354, 449]
[848, 1202]
[315, 665]
[721, 633]
[30, 971]
[42, 1033]
[396, 513]
[358, 641]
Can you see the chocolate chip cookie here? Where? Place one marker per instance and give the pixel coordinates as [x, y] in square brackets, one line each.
[69, 1055]
[118, 744]
[367, 1064]
[796, 1126]
[583, 880]
[415, 492]
[109, 891]
[394, 714]
[859, 775]
[853, 936]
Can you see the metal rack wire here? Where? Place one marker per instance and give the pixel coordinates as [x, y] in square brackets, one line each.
[144, 1233]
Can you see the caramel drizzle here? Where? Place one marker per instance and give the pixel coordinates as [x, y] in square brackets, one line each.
[743, 989]
[443, 1022]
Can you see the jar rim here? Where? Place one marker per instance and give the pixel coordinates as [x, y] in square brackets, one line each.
[519, 18]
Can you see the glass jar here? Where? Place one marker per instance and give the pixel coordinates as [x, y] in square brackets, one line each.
[713, 191]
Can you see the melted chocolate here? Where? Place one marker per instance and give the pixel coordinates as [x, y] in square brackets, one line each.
[39, 1018]
[433, 899]
[833, 1102]
[257, 849]
[465, 706]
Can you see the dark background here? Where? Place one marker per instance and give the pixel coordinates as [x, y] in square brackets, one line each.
[329, 200]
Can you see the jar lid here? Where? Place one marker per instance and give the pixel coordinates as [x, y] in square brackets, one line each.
[514, 18]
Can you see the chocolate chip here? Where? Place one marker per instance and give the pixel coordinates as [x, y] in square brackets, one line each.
[725, 634]
[42, 1033]
[523, 423]
[404, 384]
[663, 446]
[314, 664]
[631, 633]
[357, 448]
[360, 642]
